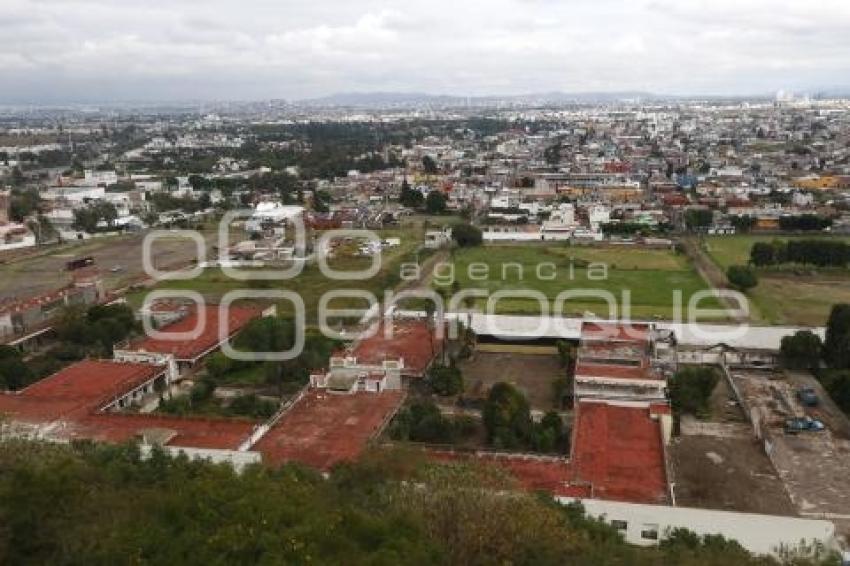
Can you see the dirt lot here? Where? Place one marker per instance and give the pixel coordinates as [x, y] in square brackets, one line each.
[45, 271]
[732, 474]
[812, 465]
[530, 373]
[723, 406]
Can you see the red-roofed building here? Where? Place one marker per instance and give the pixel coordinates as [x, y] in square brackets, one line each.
[615, 362]
[618, 451]
[190, 432]
[322, 429]
[188, 340]
[390, 351]
[84, 400]
[83, 388]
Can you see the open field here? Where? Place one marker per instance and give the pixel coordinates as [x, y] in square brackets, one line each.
[785, 297]
[804, 300]
[311, 284]
[735, 250]
[532, 374]
[649, 276]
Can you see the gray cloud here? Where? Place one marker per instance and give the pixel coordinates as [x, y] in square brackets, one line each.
[52, 50]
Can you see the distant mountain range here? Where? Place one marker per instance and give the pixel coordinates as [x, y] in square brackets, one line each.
[382, 99]
[403, 99]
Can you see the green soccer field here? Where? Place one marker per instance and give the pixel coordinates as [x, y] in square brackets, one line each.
[649, 276]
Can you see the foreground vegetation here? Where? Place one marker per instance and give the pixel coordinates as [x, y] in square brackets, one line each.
[86, 504]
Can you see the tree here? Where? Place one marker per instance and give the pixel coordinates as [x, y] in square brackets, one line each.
[762, 254]
[14, 373]
[198, 182]
[23, 204]
[321, 201]
[743, 223]
[410, 197]
[549, 435]
[422, 421]
[88, 218]
[445, 380]
[697, 219]
[802, 350]
[741, 277]
[435, 203]
[467, 235]
[561, 390]
[691, 388]
[507, 417]
[566, 354]
[429, 165]
[837, 384]
[836, 348]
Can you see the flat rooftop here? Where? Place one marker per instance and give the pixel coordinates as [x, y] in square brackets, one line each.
[187, 432]
[626, 351]
[618, 453]
[322, 429]
[615, 371]
[78, 389]
[208, 319]
[414, 341]
[615, 332]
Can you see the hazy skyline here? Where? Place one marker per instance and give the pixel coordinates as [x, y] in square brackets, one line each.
[103, 50]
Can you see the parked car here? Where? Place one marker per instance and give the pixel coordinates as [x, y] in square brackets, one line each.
[803, 424]
[808, 397]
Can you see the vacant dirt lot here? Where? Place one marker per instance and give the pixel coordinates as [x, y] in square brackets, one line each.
[732, 474]
[46, 270]
[530, 373]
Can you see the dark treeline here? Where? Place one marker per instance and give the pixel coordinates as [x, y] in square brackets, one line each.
[822, 253]
[804, 223]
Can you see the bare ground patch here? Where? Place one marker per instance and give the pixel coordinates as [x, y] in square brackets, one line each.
[731, 474]
[530, 373]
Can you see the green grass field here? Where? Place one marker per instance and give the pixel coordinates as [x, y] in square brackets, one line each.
[311, 284]
[802, 297]
[650, 276]
[735, 250]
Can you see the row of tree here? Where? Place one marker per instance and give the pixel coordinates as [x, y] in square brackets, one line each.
[822, 253]
[828, 359]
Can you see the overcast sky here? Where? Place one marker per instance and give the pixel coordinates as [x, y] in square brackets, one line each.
[102, 50]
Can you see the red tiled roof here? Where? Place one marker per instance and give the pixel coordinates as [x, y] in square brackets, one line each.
[77, 389]
[412, 340]
[323, 429]
[618, 451]
[190, 349]
[189, 432]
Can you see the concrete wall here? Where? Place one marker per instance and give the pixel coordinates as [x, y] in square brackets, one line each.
[153, 358]
[761, 534]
